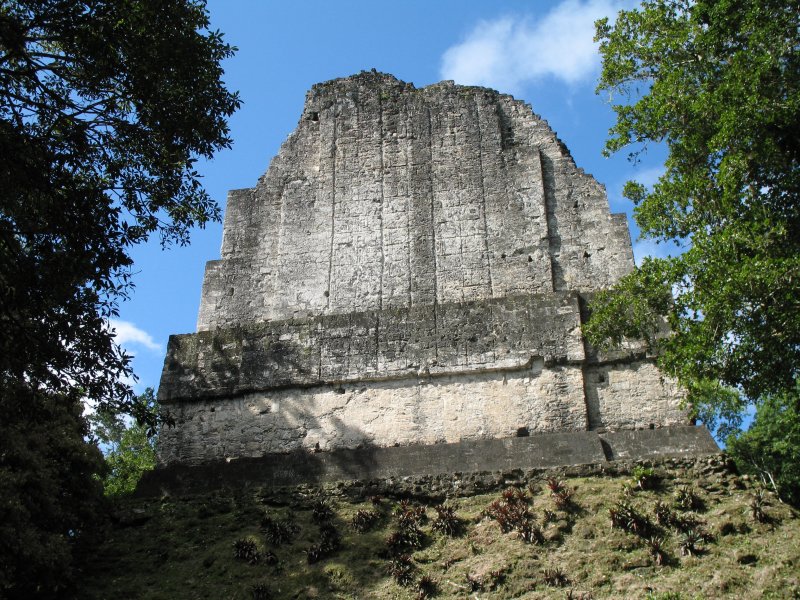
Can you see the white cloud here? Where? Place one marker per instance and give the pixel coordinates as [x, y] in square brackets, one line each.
[127, 334]
[505, 53]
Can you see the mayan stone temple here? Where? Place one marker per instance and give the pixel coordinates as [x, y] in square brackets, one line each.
[411, 272]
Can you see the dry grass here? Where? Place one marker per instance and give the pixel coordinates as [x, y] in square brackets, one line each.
[183, 548]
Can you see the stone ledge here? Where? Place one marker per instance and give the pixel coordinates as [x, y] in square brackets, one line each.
[393, 343]
[541, 451]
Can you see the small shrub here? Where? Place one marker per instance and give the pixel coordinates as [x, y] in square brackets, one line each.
[663, 513]
[563, 498]
[687, 521]
[474, 582]
[315, 553]
[321, 511]
[690, 542]
[560, 492]
[408, 515]
[514, 495]
[626, 517]
[364, 520]
[260, 591]
[644, 478]
[756, 505]
[686, 498]
[246, 549]
[330, 541]
[446, 521]
[427, 587]
[511, 511]
[401, 568]
[655, 545]
[555, 485]
[530, 533]
[279, 531]
[404, 540]
[548, 516]
[555, 577]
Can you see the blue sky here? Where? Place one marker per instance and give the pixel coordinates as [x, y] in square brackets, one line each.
[540, 51]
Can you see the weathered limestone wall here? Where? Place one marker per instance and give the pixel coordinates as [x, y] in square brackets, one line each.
[502, 333]
[410, 270]
[633, 395]
[430, 410]
[387, 195]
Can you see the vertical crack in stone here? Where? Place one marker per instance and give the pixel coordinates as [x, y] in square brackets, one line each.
[380, 224]
[333, 206]
[433, 239]
[554, 245]
[277, 269]
[482, 176]
[409, 151]
[383, 199]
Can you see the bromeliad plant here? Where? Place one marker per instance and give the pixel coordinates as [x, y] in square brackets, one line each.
[686, 498]
[279, 531]
[364, 520]
[555, 577]
[625, 516]
[644, 478]
[330, 541]
[246, 549]
[560, 492]
[446, 520]
[402, 568]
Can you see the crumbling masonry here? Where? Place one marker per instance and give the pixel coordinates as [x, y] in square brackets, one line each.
[412, 269]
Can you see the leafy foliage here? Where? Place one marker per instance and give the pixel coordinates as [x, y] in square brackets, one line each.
[129, 451]
[555, 577]
[716, 81]
[364, 520]
[770, 449]
[686, 498]
[330, 541]
[625, 516]
[402, 568]
[644, 478]
[51, 499]
[427, 587]
[105, 106]
[246, 549]
[447, 521]
[756, 506]
[511, 511]
[278, 531]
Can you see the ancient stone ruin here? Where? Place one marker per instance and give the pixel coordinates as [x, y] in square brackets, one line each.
[412, 270]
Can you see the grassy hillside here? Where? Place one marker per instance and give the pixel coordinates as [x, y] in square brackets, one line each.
[694, 532]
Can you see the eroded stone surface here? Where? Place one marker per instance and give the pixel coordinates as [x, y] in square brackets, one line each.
[410, 270]
[387, 195]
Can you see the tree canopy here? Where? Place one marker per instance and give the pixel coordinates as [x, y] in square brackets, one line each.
[129, 450]
[716, 82]
[105, 107]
